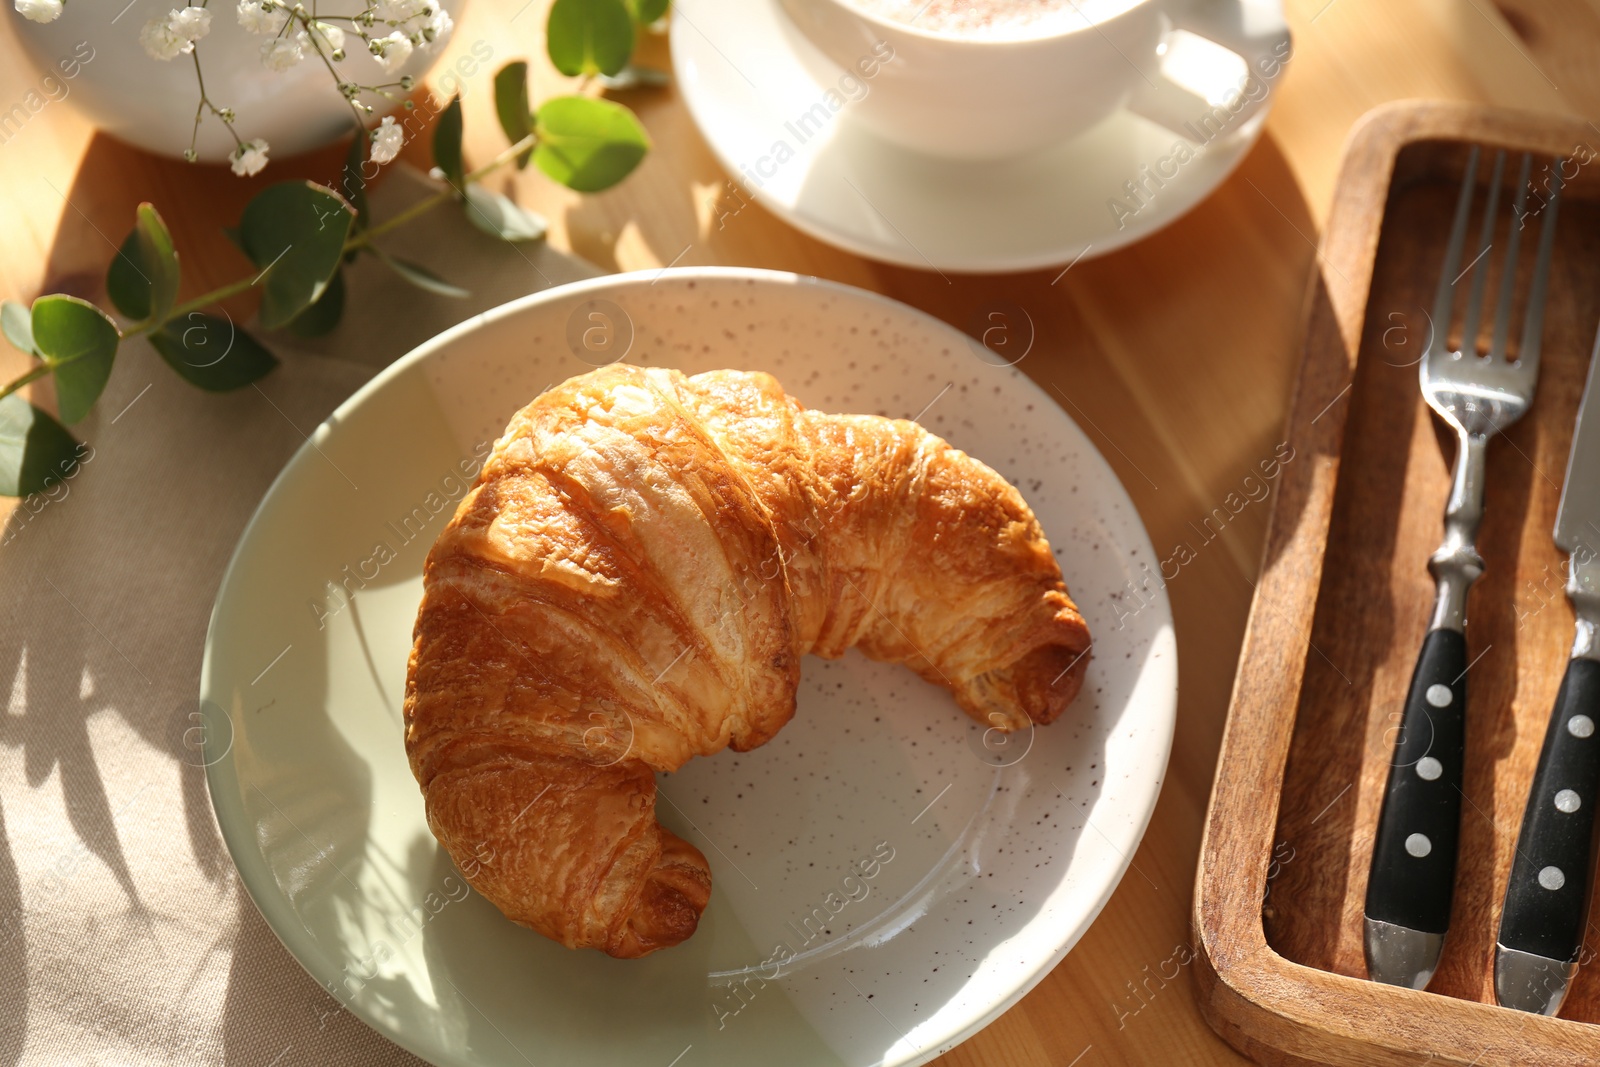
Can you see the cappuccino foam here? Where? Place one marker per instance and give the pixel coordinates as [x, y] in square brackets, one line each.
[987, 19]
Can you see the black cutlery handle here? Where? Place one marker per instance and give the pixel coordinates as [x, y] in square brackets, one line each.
[1547, 898]
[1414, 853]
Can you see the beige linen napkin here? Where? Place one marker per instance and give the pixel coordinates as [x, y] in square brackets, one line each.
[125, 934]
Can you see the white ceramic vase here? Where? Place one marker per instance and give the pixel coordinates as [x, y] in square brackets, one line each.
[151, 103]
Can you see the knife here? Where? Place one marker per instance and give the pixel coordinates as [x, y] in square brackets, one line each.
[1547, 899]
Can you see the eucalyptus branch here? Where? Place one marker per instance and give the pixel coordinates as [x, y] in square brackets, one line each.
[355, 243]
[39, 371]
[300, 235]
[199, 303]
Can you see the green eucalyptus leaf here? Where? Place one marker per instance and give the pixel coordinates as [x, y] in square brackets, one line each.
[587, 144]
[160, 260]
[79, 342]
[500, 217]
[511, 104]
[447, 143]
[294, 232]
[589, 36]
[352, 183]
[421, 276]
[142, 280]
[127, 284]
[320, 318]
[212, 352]
[16, 321]
[35, 450]
[645, 12]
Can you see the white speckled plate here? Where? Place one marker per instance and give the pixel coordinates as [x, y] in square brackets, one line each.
[987, 862]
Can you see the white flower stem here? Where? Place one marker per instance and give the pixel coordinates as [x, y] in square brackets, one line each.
[205, 102]
[361, 122]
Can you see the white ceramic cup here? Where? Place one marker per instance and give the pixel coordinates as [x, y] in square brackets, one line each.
[976, 97]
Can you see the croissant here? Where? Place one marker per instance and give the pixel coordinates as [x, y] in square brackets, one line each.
[633, 580]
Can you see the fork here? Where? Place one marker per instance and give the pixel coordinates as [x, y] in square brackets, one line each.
[1414, 853]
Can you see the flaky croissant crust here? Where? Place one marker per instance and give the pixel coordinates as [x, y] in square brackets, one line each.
[633, 580]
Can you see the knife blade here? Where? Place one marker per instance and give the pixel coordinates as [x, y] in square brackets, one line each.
[1545, 914]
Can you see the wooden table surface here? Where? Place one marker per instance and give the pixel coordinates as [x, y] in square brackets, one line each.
[1177, 355]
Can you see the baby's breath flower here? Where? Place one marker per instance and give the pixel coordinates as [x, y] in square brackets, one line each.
[439, 26]
[262, 16]
[249, 158]
[392, 51]
[281, 53]
[175, 35]
[159, 41]
[396, 12]
[190, 155]
[191, 23]
[39, 10]
[386, 140]
[331, 34]
[407, 82]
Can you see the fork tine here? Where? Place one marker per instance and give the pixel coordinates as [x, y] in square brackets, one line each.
[1444, 297]
[1480, 263]
[1508, 272]
[1533, 320]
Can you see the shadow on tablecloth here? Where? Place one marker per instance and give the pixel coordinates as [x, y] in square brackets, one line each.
[125, 935]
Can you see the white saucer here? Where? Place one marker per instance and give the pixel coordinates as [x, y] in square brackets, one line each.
[748, 77]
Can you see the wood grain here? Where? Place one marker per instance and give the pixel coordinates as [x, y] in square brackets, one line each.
[1176, 356]
[1284, 866]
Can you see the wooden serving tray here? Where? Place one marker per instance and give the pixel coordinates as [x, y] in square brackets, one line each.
[1341, 610]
